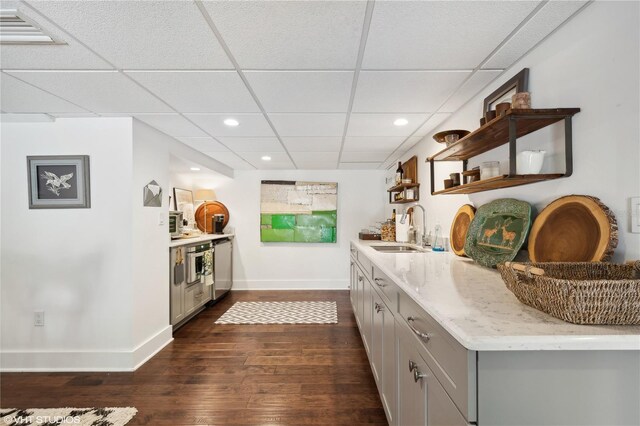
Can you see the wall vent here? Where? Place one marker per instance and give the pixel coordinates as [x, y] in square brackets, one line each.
[15, 29]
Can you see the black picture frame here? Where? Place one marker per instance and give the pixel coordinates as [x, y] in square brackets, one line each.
[519, 83]
[59, 181]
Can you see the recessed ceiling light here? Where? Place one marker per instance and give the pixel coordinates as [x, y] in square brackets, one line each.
[231, 122]
[401, 122]
[195, 169]
[266, 158]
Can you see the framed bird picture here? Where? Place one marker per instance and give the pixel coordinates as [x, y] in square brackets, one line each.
[59, 182]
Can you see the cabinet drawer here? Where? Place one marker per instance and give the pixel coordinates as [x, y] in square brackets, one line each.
[387, 288]
[364, 263]
[452, 364]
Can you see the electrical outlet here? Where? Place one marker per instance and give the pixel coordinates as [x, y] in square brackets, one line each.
[38, 318]
[634, 211]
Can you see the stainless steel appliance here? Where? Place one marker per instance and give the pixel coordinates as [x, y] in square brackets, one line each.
[175, 224]
[222, 267]
[200, 264]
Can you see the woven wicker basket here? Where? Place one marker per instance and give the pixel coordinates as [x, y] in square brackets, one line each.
[580, 292]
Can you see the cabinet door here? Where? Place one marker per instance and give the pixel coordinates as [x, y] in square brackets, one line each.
[377, 337]
[367, 309]
[412, 394]
[353, 283]
[389, 364]
[359, 296]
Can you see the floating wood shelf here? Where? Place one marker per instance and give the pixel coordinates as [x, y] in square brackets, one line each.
[500, 131]
[496, 132]
[403, 201]
[497, 182]
[403, 186]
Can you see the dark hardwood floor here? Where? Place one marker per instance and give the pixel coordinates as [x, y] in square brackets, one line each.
[230, 374]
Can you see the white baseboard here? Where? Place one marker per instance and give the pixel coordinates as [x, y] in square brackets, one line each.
[290, 285]
[49, 361]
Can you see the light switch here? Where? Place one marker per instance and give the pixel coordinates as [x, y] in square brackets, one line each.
[634, 207]
[161, 219]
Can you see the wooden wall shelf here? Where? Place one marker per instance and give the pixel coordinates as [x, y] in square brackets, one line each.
[500, 131]
[497, 182]
[410, 168]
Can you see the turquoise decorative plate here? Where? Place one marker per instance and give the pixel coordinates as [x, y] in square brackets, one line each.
[497, 231]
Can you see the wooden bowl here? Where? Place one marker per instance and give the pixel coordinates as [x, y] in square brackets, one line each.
[459, 228]
[439, 137]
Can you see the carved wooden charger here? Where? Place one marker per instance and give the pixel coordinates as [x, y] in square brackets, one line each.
[212, 208]
[459, 228]
[575, 228]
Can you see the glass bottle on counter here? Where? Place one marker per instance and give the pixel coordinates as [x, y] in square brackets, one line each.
[393, 216]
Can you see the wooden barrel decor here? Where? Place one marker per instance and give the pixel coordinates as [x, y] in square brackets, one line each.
[575, 228]
[459, 228]
[211, 208]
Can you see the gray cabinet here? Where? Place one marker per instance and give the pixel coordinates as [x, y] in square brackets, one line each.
[383, 354]
[422, 399]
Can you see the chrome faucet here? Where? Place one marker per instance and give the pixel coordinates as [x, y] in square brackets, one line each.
[424, 223]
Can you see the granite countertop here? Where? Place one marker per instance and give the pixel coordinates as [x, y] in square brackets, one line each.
[198, 239]
[473, 304]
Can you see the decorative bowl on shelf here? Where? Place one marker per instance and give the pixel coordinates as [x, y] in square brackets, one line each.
[446, 136]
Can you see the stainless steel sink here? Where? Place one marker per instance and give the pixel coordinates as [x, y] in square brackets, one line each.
[397, 249]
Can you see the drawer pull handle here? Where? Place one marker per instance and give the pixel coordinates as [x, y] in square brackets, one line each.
[379, 307]
[360, 278]
[417, 375]
[412, 366]
[420, 334]
[380, 282]
[353, 250]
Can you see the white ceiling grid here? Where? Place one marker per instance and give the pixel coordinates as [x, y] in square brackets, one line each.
[314, 84]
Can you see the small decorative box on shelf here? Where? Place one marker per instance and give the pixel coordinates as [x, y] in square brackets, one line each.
[502, 130]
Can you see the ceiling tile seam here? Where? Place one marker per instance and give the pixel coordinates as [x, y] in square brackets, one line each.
[116, 69]
[515, 31]
[475, 70]
[209, 20]
[368, 15]
[47, 92]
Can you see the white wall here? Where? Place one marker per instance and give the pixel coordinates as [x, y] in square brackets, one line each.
[592, 63]
[100, 274]
[74, 264]
[294, 265]
[151, 324]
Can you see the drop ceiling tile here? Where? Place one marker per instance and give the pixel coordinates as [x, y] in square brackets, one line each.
[300, 35]
[315, 160]
[372, 143]
[432, 123]
[199, 91]
[18, 96]
[439, 35]
[141, 34]
[308, 124]
[365, 156]
[230, 159]
[469, 89]
[313, 144]
[251, 125]
[382, 124]
[97, 91]
[302, 91]
[172, 124]
[405, 91]
[253, 144]
[205, 145]
[67, 55]
[547, 19]
[72, 114]
[358, 166]
[279, 160]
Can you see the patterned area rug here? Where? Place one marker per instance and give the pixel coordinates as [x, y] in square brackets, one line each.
[280, 313]
[112, 416]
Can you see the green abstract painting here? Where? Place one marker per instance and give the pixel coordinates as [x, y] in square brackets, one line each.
[298, 212]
